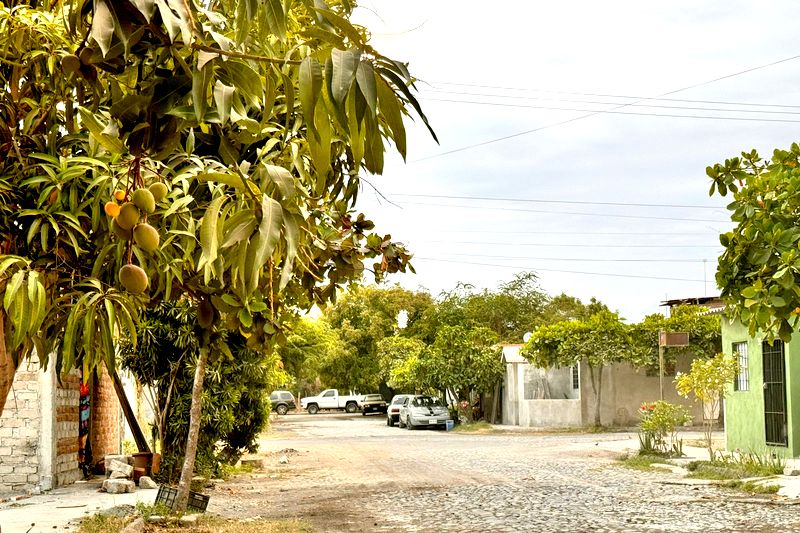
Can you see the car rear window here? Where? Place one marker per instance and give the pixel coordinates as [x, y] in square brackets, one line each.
[373, 398]
[426, 401]
[287, 396]
[398, 399]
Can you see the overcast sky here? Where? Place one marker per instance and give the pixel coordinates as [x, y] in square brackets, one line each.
[477, 209]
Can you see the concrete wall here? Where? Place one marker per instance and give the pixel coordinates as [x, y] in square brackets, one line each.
[39, 431]
[549, 383]
[744, 410]
[552, 413]
[19, 433]
[625, 388]
[521, 410]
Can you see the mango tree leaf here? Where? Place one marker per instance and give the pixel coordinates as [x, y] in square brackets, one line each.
[345, 65]
[102, 25]
[291, 230]
[365, 76]
[97, 130]
[310, 78]
[209, 241]
[276, 18]
[401, 85]
[223, 97]
[146, 7]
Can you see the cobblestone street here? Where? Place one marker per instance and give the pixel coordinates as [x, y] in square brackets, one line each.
[353, 473]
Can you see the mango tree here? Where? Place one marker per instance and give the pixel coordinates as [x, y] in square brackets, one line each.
[161, 150]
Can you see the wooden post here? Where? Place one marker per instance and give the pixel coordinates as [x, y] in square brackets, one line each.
[138, 435]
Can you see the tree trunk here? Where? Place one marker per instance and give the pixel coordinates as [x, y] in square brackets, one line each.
[597, 387]
[8, 367]
[187, 472]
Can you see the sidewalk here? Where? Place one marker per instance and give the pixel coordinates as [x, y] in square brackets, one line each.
[61, 509]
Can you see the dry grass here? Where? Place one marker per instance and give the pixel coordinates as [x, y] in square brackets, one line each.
[100, 523]
[216, 524]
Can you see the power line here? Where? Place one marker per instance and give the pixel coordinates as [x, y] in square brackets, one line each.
[587, 115]
[573, 101]
[517, 209]
[635, 276]
[544, 232]
[563, 245]
[534, 200]
[640, 98]
[614, 112]
[582, 259]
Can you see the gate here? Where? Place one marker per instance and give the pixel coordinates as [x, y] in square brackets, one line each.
[774, 393]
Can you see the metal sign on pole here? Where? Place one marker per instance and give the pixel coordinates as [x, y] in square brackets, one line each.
[676, 339]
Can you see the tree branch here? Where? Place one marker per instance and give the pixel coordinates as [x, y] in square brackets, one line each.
[240, 55]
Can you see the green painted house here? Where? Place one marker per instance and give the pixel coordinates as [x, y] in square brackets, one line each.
[762, 405]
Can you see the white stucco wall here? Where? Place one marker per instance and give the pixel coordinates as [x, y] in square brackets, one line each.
[553, 413]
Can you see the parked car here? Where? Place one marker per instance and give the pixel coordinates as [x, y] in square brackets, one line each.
[423, 411]
[372, 403]
[282, 401]
[393, 409]
[329, 399]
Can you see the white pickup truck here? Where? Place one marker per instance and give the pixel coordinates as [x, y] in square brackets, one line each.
[329, 399]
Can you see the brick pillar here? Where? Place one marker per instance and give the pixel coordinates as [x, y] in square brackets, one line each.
[66, 433]
[105, 417]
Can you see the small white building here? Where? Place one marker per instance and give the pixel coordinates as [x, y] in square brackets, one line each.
[563, 397]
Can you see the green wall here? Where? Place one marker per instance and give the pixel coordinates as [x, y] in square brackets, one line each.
[744, 410]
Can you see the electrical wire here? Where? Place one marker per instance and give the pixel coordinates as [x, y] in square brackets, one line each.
[564, 245]
[535, 200]
[583, 259]
[640, 98]
[587, 115]
[614, 111]
[595, 102]
[578, 213]
[627, 276]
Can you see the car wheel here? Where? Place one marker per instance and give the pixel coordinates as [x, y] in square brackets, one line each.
[389, 421]
[313, 409]
[282, 409]
[350, 408]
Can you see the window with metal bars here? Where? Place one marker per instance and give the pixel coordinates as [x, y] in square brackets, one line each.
[742, 380]
[576, 382]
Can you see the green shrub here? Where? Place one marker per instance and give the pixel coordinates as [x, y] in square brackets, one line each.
[658, 428]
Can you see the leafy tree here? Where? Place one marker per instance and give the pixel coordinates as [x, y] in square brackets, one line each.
[708, 380]
[598, 341]
[510, 311]
[565, 307]
[401, 362]
[759, 271]
[250, 122]
[464, 361]
[236, 406]
[705, 335]
[310, 343]
[363, 317]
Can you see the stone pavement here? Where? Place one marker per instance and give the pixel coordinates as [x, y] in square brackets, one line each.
[514, 480]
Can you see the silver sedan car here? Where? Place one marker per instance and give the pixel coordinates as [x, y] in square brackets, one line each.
[423, 411]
